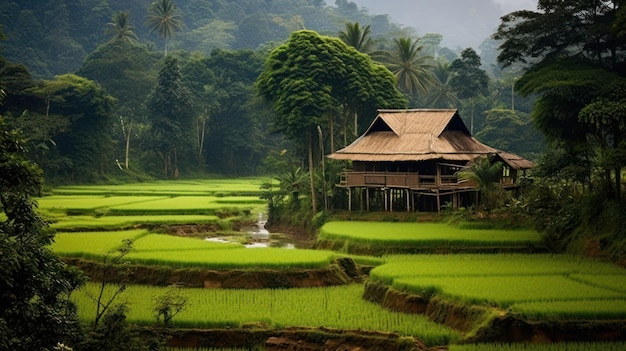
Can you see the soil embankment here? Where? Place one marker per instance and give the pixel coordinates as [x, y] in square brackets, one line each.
[489, 324]
[300, 339]
[341, 271]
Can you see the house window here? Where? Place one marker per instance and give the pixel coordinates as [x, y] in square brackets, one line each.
[506, 171]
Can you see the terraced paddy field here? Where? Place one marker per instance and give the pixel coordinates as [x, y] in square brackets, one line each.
[351, 288]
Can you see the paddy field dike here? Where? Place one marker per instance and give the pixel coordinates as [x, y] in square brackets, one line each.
[356, 284]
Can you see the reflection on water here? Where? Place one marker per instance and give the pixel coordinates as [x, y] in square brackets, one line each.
[257, 237]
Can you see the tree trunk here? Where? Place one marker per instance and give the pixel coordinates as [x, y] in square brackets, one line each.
[201, 133]
[311, 175]
[126, 160]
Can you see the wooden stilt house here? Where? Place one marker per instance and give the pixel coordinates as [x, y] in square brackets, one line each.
[408, 160]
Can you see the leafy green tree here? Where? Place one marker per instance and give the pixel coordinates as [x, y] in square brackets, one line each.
[36, 312]
[357, 37]
[86, 143]
[469, 80]
[230, 126]
[312, 75]
[165, 19]
[120, 28]
[512, 131]
[412, 70]
[169, 106]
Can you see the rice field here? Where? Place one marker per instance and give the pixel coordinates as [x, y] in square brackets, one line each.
[87, 223]
[92, 244]
[244, 258]
[423, 234]
[210, 187]
[333, 307]
[535, 286]
[183, 252]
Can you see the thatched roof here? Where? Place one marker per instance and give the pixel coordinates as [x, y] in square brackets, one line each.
[420, 135]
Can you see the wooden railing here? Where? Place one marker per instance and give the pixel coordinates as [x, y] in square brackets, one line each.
[397, 180]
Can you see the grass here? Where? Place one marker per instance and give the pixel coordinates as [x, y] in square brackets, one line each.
[334, 307]
[422, 234]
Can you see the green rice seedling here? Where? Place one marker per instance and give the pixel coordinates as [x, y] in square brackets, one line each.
[91, 244]
[615, 282]
[244, 258]
[487, 265]
[163, 242]
[229, 186]
[184, 205]
[119, 222]
[243, 200]
[422, 234]
[504, 290]
[559, 346]
[86, 203]
[333, 307]
[585, 309]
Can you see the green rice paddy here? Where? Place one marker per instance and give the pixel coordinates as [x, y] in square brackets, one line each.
[422, 234]
[535, 286]
[333, 307]
[94, 220]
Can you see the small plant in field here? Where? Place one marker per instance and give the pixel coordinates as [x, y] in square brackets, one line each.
[112, 265]
[167, 306]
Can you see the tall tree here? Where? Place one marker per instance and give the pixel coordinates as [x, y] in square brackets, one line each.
[469, 79]
[312, 75]
[120, 28]
[411, 69]
[576, 50]
[357, 37]
[86, 143]
[36, 312]
[442, 94]
[164, 18]
[170, 113]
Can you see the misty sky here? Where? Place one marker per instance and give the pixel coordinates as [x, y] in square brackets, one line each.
[463, 23]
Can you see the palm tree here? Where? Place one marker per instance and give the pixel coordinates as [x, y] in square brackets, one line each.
[120, 29]
[441, 94]
[412, 70]
[163, 17]
[486, 176]
[357, 38]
